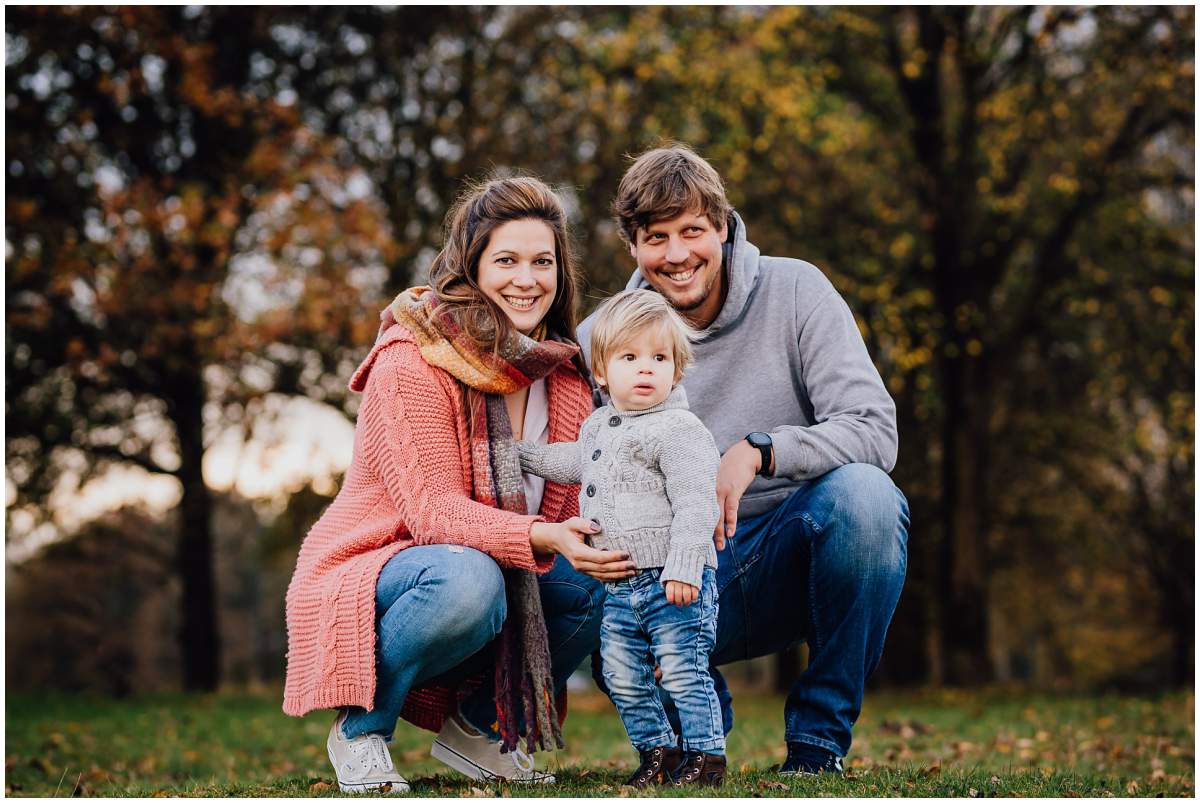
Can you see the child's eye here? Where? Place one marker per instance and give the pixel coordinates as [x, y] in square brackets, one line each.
[660, 357]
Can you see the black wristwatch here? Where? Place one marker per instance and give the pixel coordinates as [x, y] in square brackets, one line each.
[762, 442]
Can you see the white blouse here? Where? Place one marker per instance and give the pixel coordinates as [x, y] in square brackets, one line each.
[536, 430]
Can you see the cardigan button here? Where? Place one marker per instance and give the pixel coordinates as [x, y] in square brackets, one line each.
[591, 490]
[615, 421]
[596, 455]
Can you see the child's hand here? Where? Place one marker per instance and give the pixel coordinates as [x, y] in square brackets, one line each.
[679, 593]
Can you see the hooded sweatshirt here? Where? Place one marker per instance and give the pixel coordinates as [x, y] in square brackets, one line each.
[784, 356]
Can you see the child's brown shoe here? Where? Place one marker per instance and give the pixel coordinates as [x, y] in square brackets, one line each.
[700, 769]
[657, 765]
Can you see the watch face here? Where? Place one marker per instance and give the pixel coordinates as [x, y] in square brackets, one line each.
[759, 439]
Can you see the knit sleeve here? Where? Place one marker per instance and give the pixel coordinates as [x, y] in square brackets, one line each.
[557, 462]
[412, 432]
[688, 459]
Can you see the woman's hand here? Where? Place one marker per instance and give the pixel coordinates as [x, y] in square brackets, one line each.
[567, 539]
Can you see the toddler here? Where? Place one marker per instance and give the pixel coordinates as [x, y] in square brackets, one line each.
[647, 468]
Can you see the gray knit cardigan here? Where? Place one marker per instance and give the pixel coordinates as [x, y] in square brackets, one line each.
[648, 478]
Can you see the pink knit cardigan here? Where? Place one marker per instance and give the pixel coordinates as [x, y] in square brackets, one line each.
[408, 483]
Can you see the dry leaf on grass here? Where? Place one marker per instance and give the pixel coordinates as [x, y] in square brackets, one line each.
[319, 786]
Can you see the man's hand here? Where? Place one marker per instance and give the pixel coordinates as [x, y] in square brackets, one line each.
[566, 538]
[739, 466]
[680, 593]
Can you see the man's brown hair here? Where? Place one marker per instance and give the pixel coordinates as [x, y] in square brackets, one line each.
[666, 182]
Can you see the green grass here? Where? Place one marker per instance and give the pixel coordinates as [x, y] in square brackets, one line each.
[945, 743]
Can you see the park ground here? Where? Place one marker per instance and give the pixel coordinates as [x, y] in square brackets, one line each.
[930, 743]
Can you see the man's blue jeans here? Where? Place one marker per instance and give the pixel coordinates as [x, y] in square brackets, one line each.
[641, 628]
[826, 566]
[437, 607]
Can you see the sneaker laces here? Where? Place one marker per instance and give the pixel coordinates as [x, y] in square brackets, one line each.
[372, 753]
[523, 760]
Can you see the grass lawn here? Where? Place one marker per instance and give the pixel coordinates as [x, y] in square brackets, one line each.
[944, 743]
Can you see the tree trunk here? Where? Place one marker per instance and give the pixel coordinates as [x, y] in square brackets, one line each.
[199, 644]
[963, 592]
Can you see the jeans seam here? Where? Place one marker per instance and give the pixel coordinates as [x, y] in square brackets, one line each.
[816, 741]
[704, 745]
[589, 609]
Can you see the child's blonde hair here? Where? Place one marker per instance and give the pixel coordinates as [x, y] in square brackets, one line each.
[630, 313]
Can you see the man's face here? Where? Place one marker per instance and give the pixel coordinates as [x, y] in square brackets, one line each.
[681, 258]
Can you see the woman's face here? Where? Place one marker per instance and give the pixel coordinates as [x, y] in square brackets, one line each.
[518, 271]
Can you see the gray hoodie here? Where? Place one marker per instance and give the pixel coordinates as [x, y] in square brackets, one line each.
[785, 356]
[648, 478]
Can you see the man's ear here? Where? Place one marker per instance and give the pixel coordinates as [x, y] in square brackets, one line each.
[633, 248]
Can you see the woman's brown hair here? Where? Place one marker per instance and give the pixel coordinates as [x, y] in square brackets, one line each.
[480, 210]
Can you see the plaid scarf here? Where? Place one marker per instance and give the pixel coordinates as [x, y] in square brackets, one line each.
[524, 688]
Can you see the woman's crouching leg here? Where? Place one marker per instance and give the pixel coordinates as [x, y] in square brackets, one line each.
[572, 604]
[435, 606]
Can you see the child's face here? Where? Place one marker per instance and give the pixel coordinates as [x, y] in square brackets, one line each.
[641, 371]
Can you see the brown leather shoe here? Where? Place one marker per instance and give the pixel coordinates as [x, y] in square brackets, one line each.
[700, 769]
[657, 765]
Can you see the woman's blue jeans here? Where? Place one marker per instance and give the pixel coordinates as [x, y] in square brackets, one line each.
[438, 607]
[826, 567]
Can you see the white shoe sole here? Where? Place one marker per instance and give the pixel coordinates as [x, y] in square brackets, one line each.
[385, 788]
[457, 761]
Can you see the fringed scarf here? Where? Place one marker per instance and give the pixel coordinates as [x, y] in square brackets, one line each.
[524, 688]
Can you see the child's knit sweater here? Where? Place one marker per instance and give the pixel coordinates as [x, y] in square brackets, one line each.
[648, 478]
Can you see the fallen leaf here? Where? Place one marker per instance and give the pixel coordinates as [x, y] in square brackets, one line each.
[994, 780]
[1131, 787]
[777, 785]
[319, 786]
[972, 792]
[1071, 793]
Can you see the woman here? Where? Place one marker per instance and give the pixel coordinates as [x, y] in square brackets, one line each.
[437, 546]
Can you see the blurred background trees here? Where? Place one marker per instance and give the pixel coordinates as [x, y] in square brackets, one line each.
[207, 207]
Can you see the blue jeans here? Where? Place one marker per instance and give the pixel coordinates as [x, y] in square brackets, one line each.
[826, 566]
[437, 609]
[641, 629]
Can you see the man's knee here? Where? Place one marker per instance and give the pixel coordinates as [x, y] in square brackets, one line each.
[869, 514]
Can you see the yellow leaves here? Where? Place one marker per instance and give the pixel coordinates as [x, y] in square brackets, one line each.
[1161, 295]
[1064, 184]
[902, 246]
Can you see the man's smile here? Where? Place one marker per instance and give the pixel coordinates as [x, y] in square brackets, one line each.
[680, 277]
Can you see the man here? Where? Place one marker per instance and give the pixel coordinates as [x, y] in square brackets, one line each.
[813, 535]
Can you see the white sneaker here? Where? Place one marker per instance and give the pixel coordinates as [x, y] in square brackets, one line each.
[363, 764]
[478, 757]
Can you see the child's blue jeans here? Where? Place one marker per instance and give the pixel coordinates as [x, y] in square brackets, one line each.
[641, 628]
